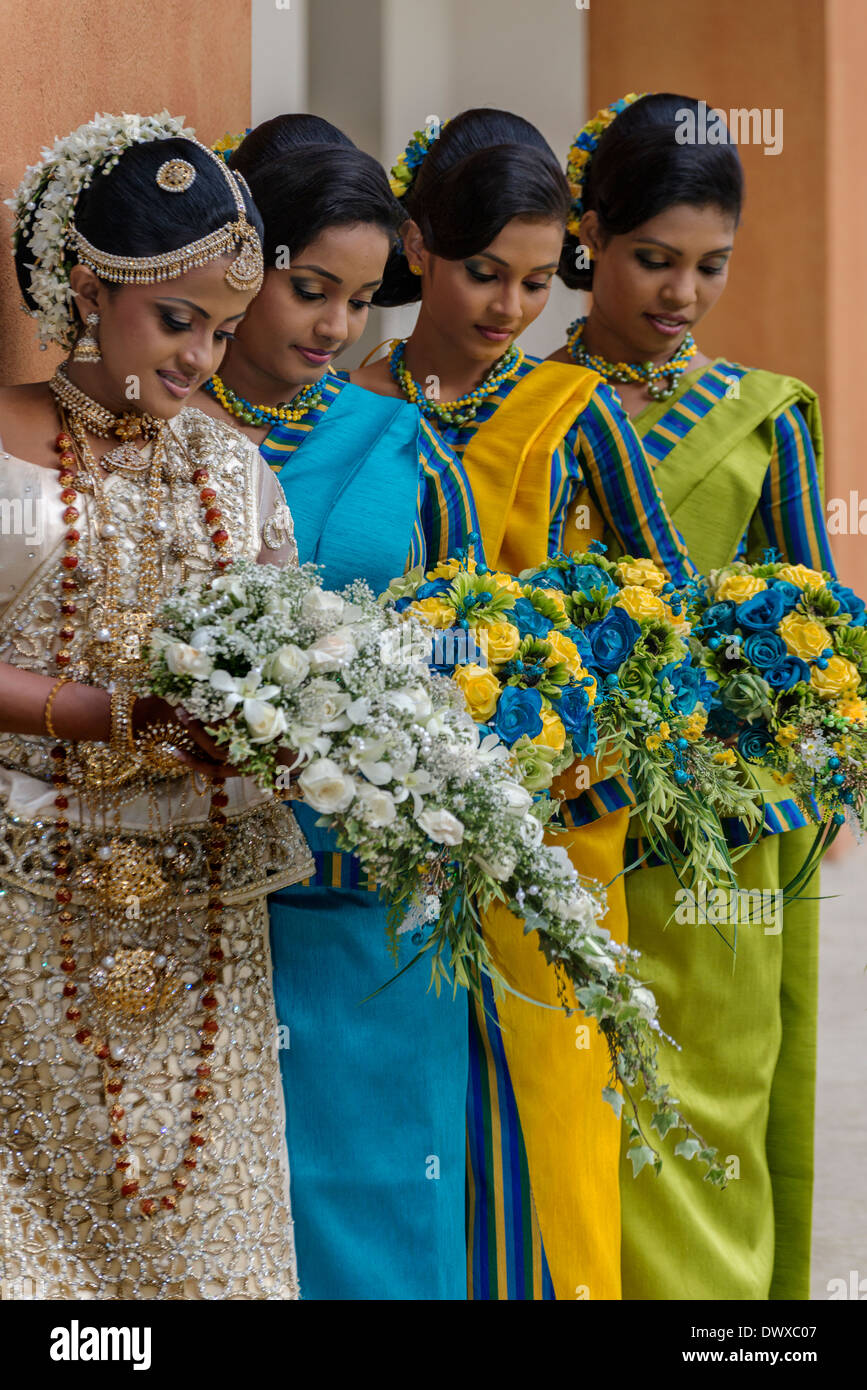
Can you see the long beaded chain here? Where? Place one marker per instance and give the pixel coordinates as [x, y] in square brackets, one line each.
[462, 411]
[143, 976]
[249, 414]
[662, 379]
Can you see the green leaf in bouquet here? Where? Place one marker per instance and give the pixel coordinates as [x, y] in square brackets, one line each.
[663, 1121]
[687, 1148]
[639, 1156]
[851, 642]
[614, 1099]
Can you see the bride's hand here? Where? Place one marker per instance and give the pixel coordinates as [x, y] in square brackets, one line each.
[214, 760]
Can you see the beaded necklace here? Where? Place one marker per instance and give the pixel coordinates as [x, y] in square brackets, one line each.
[462, 411]
[661, 379]
[250, 414]
[130, 989]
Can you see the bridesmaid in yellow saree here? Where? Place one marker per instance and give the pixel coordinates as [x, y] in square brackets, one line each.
[486, 206]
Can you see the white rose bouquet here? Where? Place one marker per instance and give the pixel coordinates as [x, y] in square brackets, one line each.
[296, 681]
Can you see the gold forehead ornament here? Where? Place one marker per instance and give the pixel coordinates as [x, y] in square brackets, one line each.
[246, 271]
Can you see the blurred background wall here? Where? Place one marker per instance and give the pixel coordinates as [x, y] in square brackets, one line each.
[63, 62]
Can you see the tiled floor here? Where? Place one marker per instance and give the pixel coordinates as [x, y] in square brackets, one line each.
[840, 1198]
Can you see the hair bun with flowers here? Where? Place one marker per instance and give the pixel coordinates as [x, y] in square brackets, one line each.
[581, 152]
[404, 172]
[227, 144]
[44, 205]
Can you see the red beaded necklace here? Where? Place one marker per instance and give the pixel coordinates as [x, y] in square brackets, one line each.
[113, 1065]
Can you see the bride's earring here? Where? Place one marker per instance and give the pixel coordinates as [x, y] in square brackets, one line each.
[87, 347]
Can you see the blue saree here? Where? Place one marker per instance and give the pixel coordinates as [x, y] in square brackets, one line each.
[375, 1088]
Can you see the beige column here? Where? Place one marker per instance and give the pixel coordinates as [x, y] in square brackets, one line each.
[63, 62]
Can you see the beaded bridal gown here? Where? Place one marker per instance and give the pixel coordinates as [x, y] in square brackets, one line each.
[67, 1231]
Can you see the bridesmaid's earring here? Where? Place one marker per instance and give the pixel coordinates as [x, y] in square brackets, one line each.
[87, 347]
[415, 270]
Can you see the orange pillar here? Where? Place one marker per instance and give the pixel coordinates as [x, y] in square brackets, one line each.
[63, 62]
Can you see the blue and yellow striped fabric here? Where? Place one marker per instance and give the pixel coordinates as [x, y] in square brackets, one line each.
[505, 1256]
[445, 511]
[790, 506]
[602, 452]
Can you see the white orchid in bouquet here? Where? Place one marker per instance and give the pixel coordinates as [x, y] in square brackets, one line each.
[336, 692]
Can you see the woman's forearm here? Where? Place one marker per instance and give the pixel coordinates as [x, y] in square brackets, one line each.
[78, 712]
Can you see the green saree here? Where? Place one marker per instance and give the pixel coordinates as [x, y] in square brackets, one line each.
[733, 451]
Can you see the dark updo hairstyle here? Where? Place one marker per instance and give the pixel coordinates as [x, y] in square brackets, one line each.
[305, 176]
[126, 213]
[486, 167]
[638, 169]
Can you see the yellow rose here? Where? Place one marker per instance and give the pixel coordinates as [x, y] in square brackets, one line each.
[725, 757]
[449, 568]
[640, 603]
[644, 573]
[653, 743]
[480, 689]
[694, 726]
[553, 733]
[506, 581]
[738, 587]
[786, 735]
[436, 612]
[803, 637]
[840, 677]
[499, 641]
[563, 649]
[558, 599]
[802, 576]
[851, 707]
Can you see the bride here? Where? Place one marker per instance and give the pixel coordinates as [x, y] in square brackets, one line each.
[142, 1151]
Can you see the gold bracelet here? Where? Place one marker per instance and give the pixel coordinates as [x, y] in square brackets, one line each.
[46, 713]
[122, 701]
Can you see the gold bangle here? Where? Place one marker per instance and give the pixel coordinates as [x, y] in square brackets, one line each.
[122, 702]
[52, 696]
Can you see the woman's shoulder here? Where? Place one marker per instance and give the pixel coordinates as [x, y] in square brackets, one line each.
[203, 436]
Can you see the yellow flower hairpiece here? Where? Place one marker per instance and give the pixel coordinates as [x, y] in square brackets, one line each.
[582, 150]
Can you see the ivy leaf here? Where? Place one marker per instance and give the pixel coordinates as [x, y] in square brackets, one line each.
[614, 1099]
[687, 1148]
[662, 1122]
[640, 1155]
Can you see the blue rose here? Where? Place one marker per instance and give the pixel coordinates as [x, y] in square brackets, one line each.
[583, 578]
[612, 639]
[718, 619]
[753, 743]
[764, 649]
[790, 593]
[528, 620]
[849, 602]
[432, 588]
[785, 674]
[550, 579]
[761, 612]
[402, 603]
[519, 712]
[574, 709]
[690, 686]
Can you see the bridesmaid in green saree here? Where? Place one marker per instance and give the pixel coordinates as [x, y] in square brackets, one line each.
[737, 456]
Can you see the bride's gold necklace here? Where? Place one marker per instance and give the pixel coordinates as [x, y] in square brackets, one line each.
[131, 991]
[88, 415]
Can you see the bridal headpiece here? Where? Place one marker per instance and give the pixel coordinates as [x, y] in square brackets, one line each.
[44, 209]
[582, 150]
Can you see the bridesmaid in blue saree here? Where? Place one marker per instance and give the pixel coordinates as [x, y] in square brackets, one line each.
[375, 1087]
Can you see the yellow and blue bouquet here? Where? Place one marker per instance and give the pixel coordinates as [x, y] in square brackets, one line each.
[786, 647]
